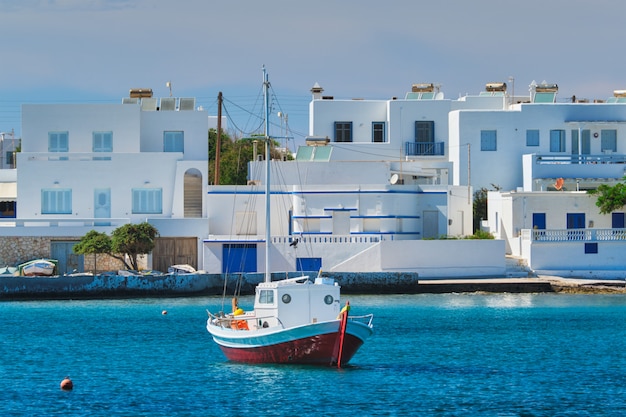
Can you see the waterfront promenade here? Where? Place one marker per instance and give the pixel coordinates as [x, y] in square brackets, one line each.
[189, 285]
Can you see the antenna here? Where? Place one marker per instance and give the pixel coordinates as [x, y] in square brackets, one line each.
[169, 85]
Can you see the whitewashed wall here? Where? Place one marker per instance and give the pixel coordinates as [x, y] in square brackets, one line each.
[429, 258]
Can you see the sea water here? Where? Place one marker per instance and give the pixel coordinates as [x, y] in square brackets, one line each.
[431, 355]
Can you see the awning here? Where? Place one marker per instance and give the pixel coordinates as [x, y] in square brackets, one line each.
[419, 173]
[8, 191]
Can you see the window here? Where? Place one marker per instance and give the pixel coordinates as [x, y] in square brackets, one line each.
[378, 131]
[425, 131]
[10, 158]
[58, 141]
[343, 131]
[102, 142]
[557, 141]
[266, 297]
[575, 220]
[532, 138]
[173, 142]
[608, 140]
[488, 140]
[147, 201]
[7, 209]
[56, 201]
[591, 247]
[585, 141]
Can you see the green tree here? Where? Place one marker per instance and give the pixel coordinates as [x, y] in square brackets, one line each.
[234, 157]
[126, 242]
[480, 205]
[235, 153]
[131, 240]
[610, 198]
[93, 243]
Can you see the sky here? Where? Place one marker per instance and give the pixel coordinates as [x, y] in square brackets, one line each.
[92, 51]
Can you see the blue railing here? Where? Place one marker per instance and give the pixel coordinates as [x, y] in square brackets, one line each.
[424, 148]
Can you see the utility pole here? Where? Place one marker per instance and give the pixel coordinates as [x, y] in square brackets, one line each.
[469, 175]
[218, 140]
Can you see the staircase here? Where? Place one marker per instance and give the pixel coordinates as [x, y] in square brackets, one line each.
[517, 268]
[193, 196]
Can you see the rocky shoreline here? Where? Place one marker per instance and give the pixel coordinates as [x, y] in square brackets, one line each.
[586, 286]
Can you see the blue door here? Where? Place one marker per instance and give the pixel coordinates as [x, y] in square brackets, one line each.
[102, 206]
[575, 221]
[617, 220]
[68, 261]
[539, 221]
[239, 257]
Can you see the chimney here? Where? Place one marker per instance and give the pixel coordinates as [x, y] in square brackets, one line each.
[317, 91]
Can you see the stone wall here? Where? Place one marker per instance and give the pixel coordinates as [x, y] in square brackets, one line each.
[15, 250]
[103, 263]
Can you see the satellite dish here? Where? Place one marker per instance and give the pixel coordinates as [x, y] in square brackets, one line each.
[394, 179]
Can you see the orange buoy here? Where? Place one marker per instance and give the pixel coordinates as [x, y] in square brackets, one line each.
[67, 384]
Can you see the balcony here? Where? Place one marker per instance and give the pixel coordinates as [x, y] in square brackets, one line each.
[588, 171]
[587, 235]
[424, 148]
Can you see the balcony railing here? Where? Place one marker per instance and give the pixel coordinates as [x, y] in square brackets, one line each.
[424, 148]
[587, 235]
[607, 158]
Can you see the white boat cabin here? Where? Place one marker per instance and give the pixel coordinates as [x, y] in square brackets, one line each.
[296, 301]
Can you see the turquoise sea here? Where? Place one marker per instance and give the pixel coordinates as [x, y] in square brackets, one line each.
[431, 355]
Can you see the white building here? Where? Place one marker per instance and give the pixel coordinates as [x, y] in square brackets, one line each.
[98, 166]
[558, 151]
[372, 184]
[376, 182]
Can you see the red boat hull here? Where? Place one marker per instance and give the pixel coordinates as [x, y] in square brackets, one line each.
[318, 350]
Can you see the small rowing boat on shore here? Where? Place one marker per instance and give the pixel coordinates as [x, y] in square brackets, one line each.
[38, 268]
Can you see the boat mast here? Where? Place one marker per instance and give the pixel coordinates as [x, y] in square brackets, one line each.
[268, 274]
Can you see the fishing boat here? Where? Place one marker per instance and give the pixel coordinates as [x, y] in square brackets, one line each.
[294, 320]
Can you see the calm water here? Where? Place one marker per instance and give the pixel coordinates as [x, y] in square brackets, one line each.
[441, 355]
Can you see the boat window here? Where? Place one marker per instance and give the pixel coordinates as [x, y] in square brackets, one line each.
[286, 298]
[329, 299]
[266, 297]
